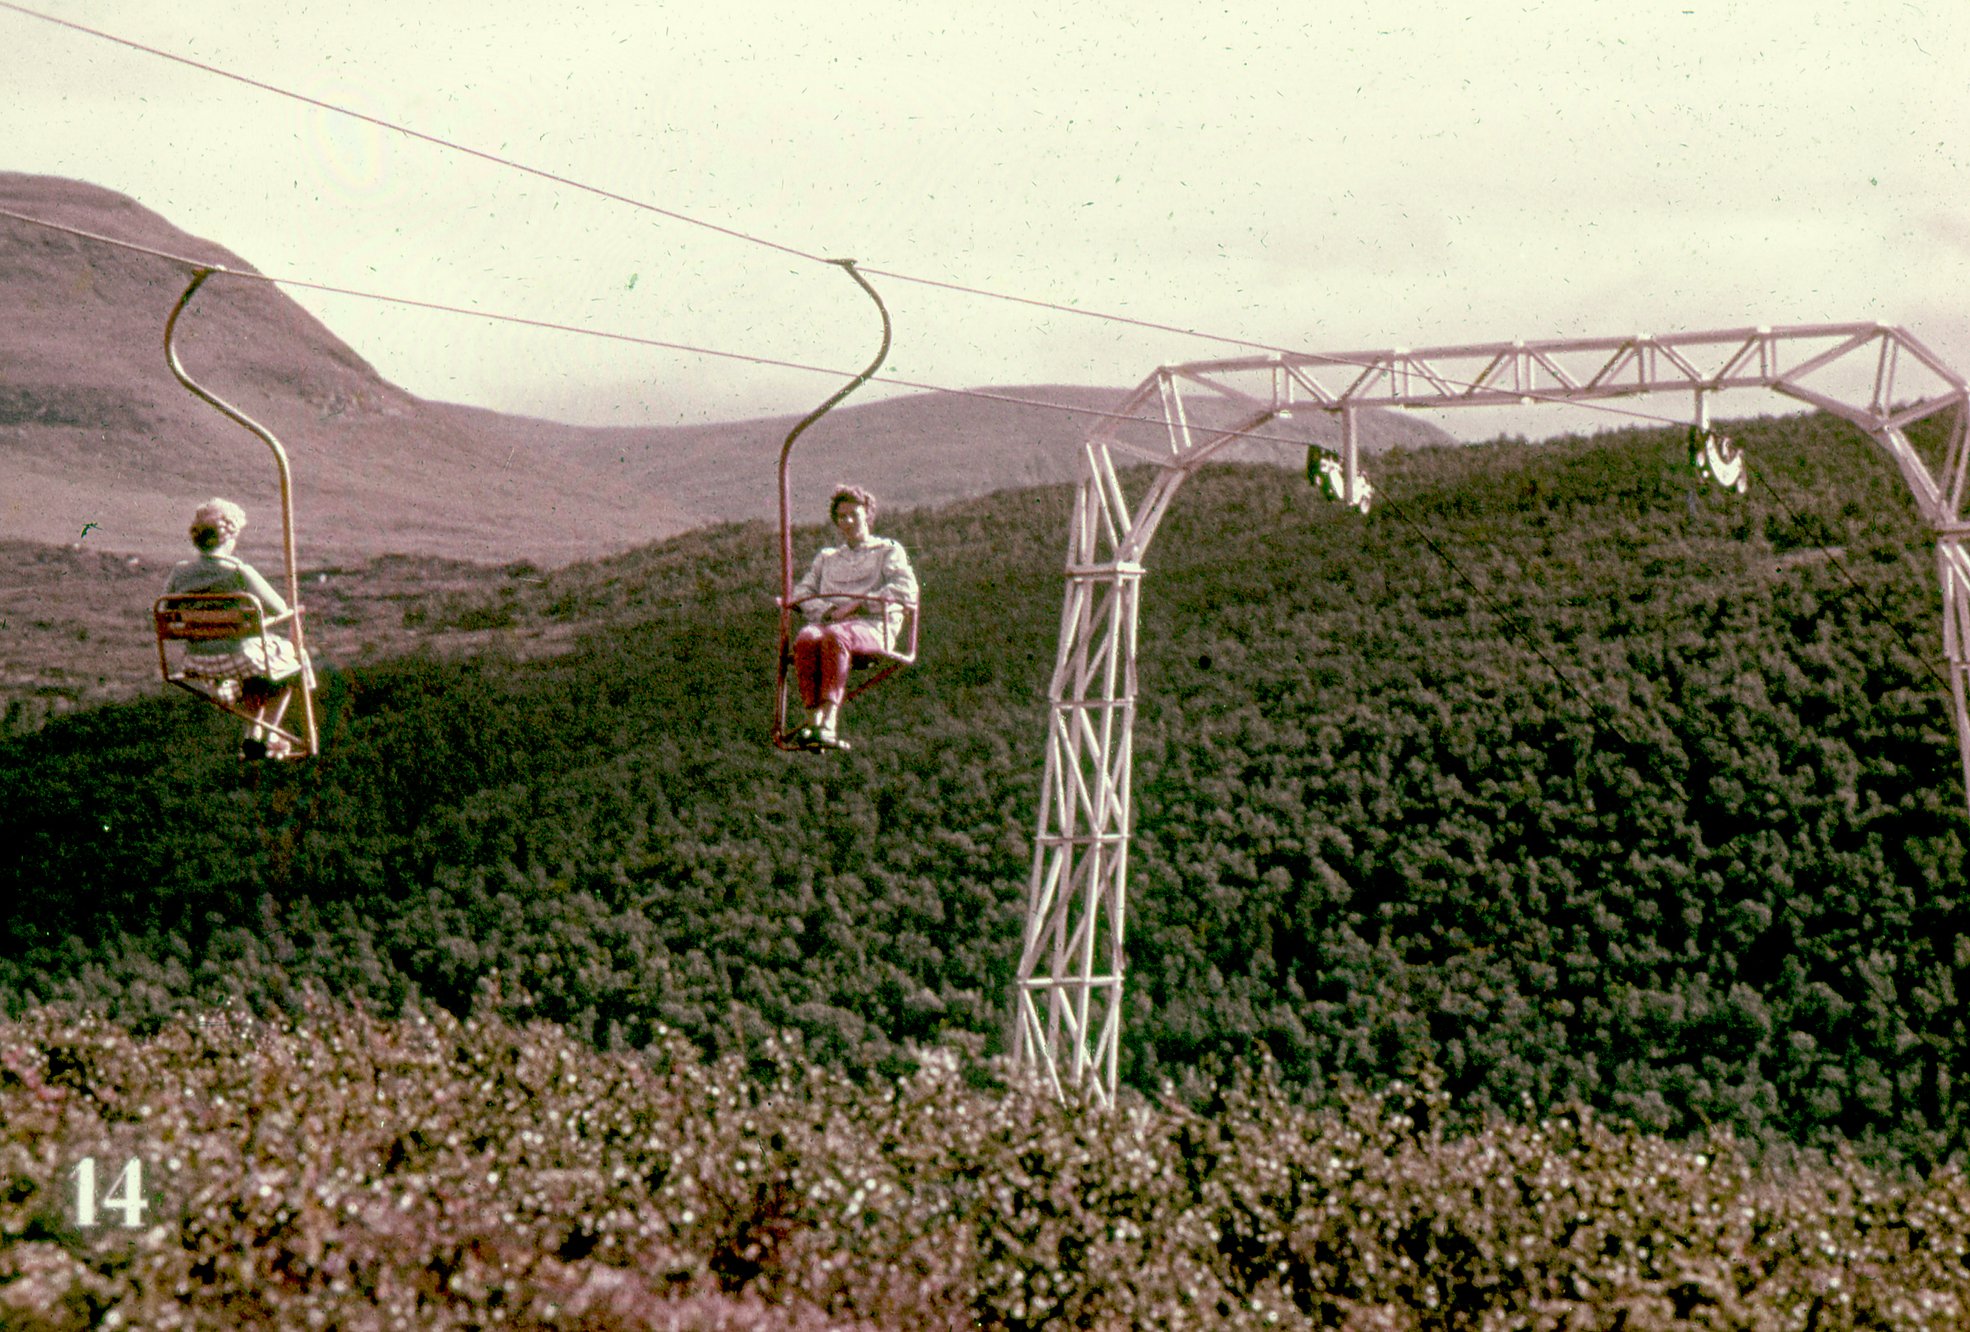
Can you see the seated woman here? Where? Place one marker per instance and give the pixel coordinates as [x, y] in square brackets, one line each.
[266, 670]
[854, 597]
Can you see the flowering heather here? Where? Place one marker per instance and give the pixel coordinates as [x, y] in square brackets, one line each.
[340, 1170]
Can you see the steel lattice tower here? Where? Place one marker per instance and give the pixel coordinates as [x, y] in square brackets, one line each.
[1067, 1002]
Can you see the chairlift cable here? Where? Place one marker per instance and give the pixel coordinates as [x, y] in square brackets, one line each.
[601, 192]
[752, 238]
[635, 339]
[733, 232]
[407, 131]
[690, 349]
[1854, 584]
[790, 250]
[869, 377]
[865, 377]
[891, 381]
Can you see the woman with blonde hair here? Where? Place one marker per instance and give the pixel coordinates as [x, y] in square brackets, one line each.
[263, 669]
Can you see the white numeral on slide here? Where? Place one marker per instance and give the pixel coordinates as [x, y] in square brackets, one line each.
[125, 1196]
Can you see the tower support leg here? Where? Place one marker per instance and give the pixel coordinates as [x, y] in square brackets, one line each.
[1953, 566]
[1067, 1001]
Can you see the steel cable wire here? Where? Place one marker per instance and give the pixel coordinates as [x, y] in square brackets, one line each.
[731, 232]
[755, 239]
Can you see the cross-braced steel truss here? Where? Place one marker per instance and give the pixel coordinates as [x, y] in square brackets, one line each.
[1068, 995]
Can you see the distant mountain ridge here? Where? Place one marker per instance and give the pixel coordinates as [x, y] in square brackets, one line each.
[95, 434]
[93, 428]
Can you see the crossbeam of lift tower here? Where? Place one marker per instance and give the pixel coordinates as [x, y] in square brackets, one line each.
[1067, 1002]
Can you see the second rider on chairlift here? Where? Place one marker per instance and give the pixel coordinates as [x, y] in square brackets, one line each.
[854, 597]
[266, 671]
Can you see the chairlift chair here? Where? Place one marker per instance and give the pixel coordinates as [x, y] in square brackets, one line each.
[1718, 458]
[192, 617]
[872, 668]
[208, 617]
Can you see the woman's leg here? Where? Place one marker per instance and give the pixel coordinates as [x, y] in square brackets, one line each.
[846, 638]
[268, 701]
[256, 693]
[807, 665]
[834, 657]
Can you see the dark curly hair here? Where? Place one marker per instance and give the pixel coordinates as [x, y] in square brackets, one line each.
[851, 495]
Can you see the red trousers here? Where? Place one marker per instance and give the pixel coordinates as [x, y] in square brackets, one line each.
[823, 654]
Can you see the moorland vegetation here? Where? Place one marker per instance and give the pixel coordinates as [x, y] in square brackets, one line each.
[1558, 785]
[332, 1169]
[1648, 799]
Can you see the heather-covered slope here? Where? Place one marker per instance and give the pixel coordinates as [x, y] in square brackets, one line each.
[1712, 872]
[335, 1170]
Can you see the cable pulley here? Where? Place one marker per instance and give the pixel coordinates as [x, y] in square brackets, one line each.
[1717, 457]
[1324, 470]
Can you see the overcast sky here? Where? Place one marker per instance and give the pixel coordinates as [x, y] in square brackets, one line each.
[1326, 177]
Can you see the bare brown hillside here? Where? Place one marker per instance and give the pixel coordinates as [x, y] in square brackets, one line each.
[94, 430]
[97, 437]
[923, 449]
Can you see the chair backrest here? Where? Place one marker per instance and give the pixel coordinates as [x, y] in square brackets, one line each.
[904, 652]
[203, 617]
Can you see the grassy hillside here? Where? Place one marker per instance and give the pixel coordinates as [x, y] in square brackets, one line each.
[1711, 873]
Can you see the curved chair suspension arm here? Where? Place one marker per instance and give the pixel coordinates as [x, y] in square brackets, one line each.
[786, 499]
[266, 436]
[294, 630]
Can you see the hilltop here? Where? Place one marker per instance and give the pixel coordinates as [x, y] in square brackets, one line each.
[93, 429]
